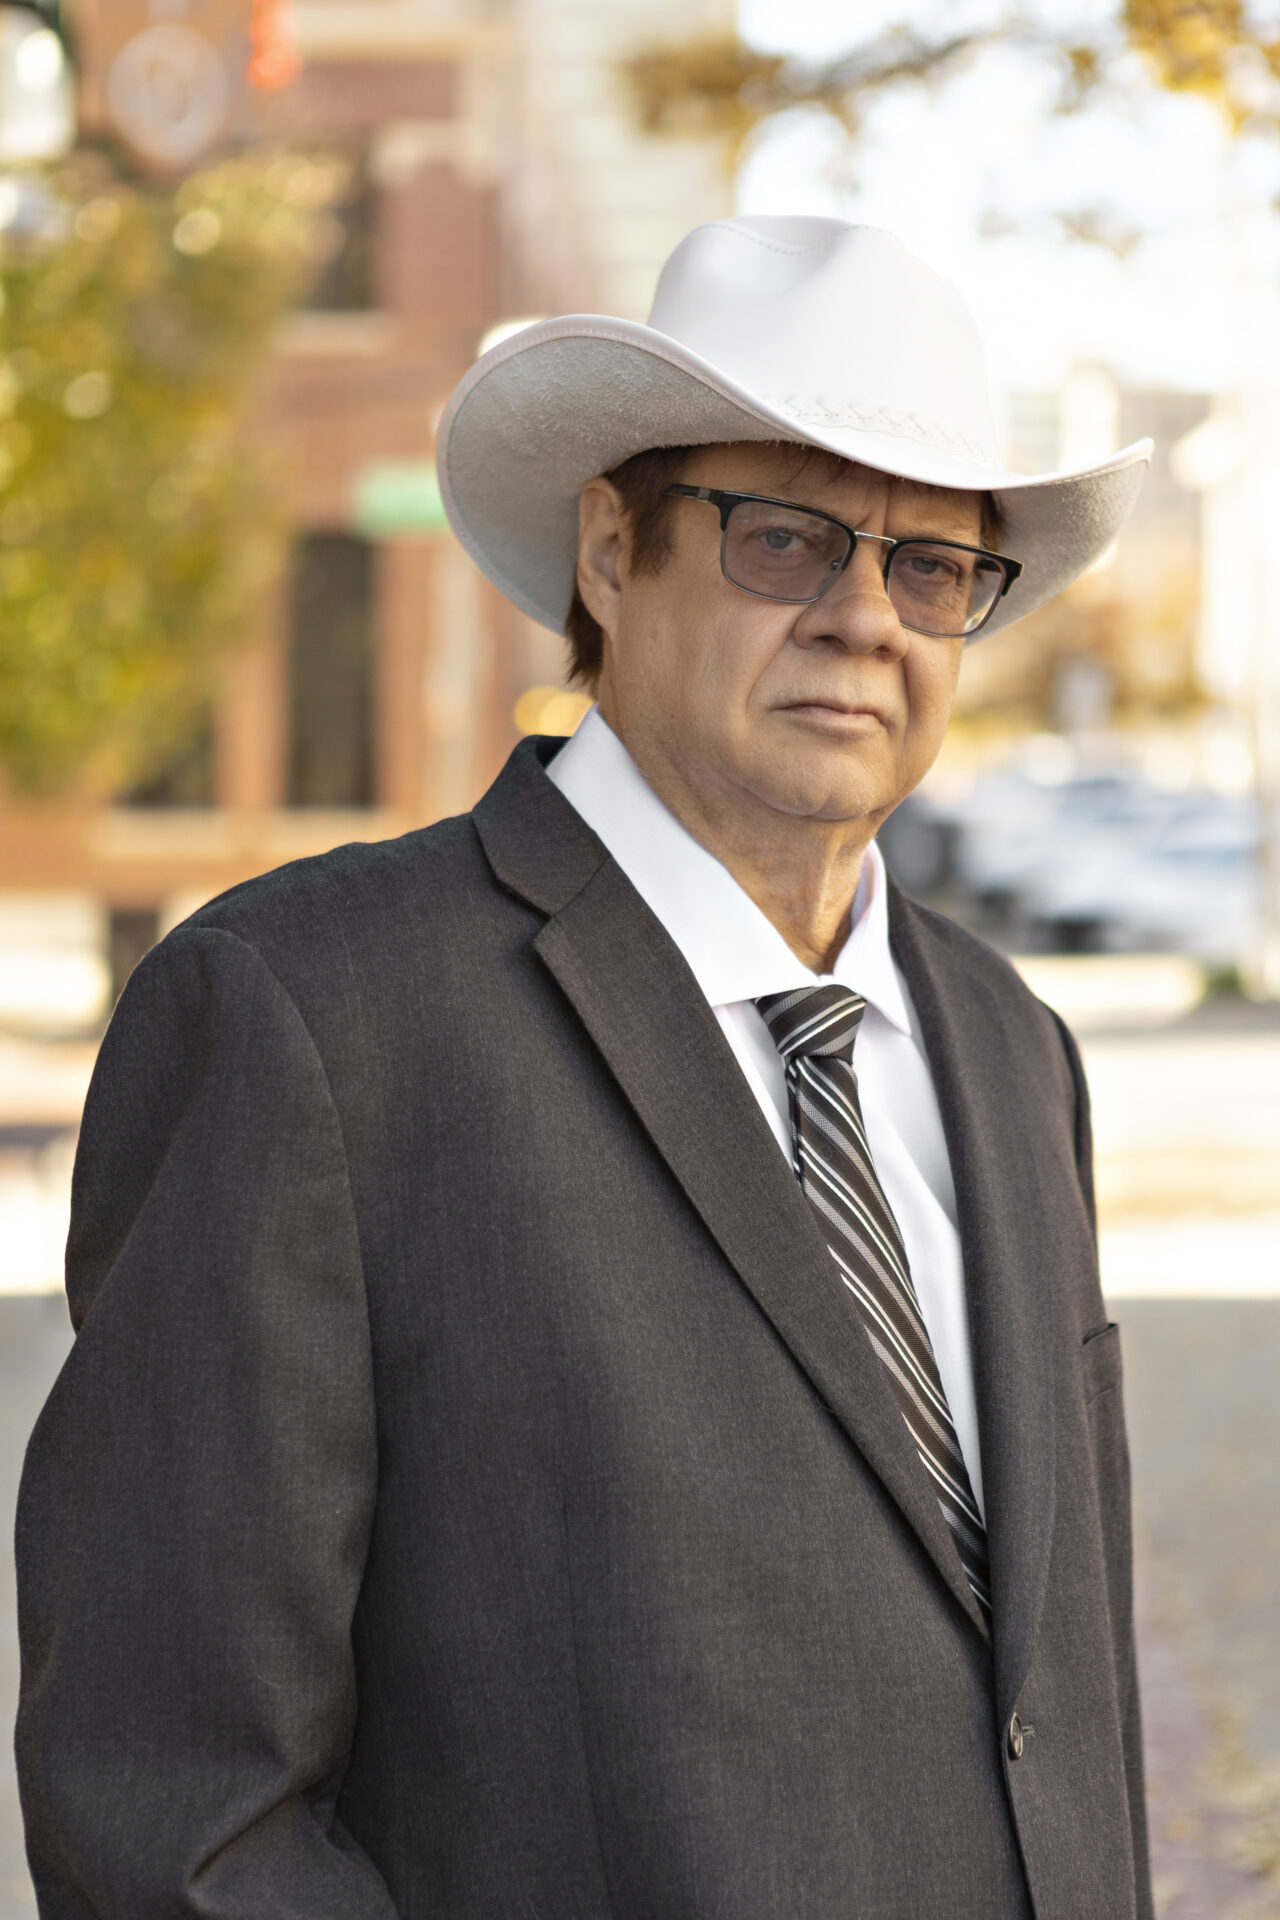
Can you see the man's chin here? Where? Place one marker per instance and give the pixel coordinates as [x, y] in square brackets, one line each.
[807, 796]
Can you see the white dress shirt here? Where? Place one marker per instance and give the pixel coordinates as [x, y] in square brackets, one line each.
[736, 954]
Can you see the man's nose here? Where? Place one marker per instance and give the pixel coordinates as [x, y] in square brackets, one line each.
[855, 613]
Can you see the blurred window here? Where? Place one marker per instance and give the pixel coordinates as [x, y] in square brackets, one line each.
[346, 245]
[184, 778]
[330, 760]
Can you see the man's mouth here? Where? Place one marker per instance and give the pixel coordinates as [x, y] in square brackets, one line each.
[848, 711]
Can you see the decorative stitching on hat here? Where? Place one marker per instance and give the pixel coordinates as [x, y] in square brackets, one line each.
[810, 410]
[813, 411]
[776, 246]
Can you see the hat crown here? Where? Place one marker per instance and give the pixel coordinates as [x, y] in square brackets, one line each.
[833, 324]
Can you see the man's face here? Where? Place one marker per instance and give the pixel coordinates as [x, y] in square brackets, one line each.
[830, 711]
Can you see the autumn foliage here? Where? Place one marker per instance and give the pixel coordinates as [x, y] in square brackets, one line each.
[720, 87]
[137, 531]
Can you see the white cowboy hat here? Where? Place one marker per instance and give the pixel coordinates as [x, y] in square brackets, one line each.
[764, 328]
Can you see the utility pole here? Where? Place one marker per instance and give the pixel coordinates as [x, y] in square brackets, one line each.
[1263, 965]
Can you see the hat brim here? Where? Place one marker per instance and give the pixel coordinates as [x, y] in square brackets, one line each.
[544, 411]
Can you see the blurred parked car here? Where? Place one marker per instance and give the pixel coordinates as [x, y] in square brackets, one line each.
[1102, 861]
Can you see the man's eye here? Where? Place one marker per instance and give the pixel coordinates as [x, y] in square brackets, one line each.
[782, 539]
[932, 566]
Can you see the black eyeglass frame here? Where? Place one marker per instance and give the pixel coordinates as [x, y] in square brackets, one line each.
[727, 501]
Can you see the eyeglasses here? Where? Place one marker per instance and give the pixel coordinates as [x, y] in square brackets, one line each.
[779, 552]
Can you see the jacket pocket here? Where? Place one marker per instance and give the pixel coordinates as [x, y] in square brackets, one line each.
[1100, 1360]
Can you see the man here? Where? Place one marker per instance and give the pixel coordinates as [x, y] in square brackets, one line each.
[592, 1393]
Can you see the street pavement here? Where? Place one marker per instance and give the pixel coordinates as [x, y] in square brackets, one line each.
[1204, 1427]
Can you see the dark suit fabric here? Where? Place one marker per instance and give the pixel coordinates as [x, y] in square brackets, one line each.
[471, 1492]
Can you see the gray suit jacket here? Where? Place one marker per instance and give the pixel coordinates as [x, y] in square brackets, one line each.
[470, 1492]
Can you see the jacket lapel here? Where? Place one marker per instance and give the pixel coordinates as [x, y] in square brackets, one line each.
[643, 1009]
[1008, 1264]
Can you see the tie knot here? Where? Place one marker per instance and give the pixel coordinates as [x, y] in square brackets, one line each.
[814, 1020]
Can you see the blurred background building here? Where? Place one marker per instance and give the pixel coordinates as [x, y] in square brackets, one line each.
[494, 167]
[493, 173]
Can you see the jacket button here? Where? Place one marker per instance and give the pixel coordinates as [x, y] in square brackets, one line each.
[1015, 1741]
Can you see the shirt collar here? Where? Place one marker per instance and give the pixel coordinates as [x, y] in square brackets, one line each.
[734, 952]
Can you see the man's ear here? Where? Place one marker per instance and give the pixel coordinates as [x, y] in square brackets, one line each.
[602, 551]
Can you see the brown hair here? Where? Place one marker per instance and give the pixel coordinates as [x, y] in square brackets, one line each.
[642, 483]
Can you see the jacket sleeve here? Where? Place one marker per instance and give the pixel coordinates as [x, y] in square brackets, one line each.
[198, 1492]
[1119, 1525]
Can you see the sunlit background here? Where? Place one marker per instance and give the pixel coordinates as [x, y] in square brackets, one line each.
[247, 248]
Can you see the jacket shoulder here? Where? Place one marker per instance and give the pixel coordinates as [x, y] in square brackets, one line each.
[355, 924]
[355, 885]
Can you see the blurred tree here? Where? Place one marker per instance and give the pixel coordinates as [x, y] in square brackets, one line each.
[1135, 663]
[136, 530]
[1138, 654]
[720, 87]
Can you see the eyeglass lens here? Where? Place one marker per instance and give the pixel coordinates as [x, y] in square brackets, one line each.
[784, 553]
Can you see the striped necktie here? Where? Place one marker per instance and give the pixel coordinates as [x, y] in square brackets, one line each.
[814, 1031]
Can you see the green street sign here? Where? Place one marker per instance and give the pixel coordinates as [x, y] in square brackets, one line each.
[397, 497]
